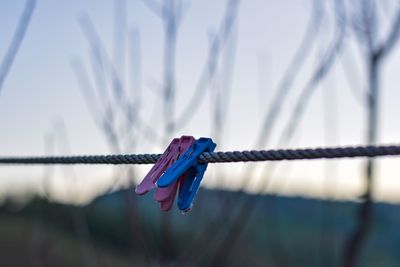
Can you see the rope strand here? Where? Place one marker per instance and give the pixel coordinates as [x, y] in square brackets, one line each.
[219, 157]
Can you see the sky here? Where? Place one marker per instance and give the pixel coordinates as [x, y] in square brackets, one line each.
[41, 98]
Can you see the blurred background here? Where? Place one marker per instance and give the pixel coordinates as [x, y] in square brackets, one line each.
[118, 76]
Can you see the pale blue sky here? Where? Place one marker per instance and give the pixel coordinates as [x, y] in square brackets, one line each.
[41, 90]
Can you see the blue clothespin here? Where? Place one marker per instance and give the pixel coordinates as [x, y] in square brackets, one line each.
[188, 164]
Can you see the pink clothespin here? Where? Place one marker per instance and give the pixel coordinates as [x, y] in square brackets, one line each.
[165, 196]
[162, 164]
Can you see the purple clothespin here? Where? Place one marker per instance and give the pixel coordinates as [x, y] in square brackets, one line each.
[162, 164]
[166, 196]
[189, 167]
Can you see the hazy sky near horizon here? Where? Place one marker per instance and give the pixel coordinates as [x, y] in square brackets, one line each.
[41, 95]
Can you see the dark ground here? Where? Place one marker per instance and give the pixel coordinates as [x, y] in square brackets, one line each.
[287, 231]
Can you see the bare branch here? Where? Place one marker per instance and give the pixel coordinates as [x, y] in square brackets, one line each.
[209, 69]
[101, 119]
[392, 38]
[119, 42]
[16, 41]
[97, 46]
[320, 73]
[243, 216]
[369, 24]
[155, 7]
[85, 87]
[349, 69]
[289, 77]
[273, 112]
[135, 81]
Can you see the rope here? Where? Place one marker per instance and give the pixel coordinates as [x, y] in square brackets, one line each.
[219, 157]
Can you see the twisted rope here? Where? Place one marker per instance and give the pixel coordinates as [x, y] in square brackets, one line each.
[219, 157]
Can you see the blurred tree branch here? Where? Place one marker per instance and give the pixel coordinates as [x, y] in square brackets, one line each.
[209, 71]
[17, 39]
[375, 54]
[171, 13]
[243, 216]
[270, 118]
[113, 109]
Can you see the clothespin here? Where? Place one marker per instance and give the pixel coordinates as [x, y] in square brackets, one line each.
[162, 164]
[165, 196]
[188, 164]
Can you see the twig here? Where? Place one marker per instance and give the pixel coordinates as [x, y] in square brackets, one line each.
[16, 41]
[374, 59]
[240, 221]
[209, 70]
